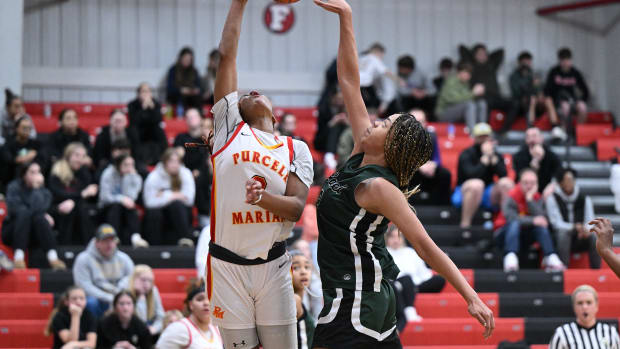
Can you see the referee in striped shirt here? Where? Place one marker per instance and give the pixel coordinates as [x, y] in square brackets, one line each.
[586, 332]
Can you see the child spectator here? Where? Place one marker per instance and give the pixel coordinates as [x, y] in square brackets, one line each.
[414, 90]
[522, 221]
[13, 110]
[445, 70]
[116, 130]
[195, 331]
[28, 222]
[148, 301]
[102, 270]
[72, 188]
[458, 102]
[168, 196]
[20, 149]
[569, 212]
[302, 273]
[539, 157]
[69, 132]
[183, 86]
[122, 328]
[172, 316]
[208, 82]
[119, 189]
[72, 325]
[145, 118]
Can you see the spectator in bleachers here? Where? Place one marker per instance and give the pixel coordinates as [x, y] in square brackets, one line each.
[539, 157]
[148, 301]
[527, 91]
[614, 179]
[522, 221]
[332, 122]
[28, 223]
[122, 328]
[123, 147]
[586, 331]
[445, 70]
[195, 331]
[102, 270]
[435, 180]
[477, 167]
[569, 212]
[458, 102]
[13, 110]
[208, 82]
[117, 129]
[73, 192]
[301, 270]
[183, 87]
[145, 118]
[604, 243]
[69, 132]
[288, 125]
[484, 72]
[567, 87]
[313, 299]
[20, 149]
[196, 160]
[71, 324]
[172, 316]
[168, 196]
[377, 91]
[119, 189]
[414, 90]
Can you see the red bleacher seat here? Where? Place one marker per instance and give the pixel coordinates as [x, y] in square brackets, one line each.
[173, 280]
[587, 133]
[600, 117]
[606, 147]
[581, 260]
[450, 305]
[313, 194]
[172, 301]
[20, 280]
[469, 276]
[603, 280]
[26, 306]
[441, 129]
[23, 334]
[460, 331]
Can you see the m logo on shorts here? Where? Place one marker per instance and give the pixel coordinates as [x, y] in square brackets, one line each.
[218, 312]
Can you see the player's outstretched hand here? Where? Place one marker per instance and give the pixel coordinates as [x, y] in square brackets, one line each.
[479, 311]
[253, 191]
[336, 6]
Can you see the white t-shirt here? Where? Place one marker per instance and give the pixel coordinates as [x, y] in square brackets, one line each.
[409, 263]
[371, 69]
[185, 334]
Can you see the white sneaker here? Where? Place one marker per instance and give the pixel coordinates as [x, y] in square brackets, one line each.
[412, 315]
[185, 242]
[330, 161]
[552, 263]
[558, 133]
[139, 243]
[511, 262]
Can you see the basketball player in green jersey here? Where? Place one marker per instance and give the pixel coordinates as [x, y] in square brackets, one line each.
[354, 209]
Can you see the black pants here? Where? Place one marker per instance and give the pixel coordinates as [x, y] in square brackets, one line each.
[124, 220]
[435, 190]
[370, 97]
[150, 151]
[427, 104]
[406, 291]
[76, 227]
[166, 225]
[203, 192]
[508, 107]
[187, 101]
[26, 229]
[333, 137]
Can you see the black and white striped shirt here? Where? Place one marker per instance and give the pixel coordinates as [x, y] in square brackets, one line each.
[574, 336]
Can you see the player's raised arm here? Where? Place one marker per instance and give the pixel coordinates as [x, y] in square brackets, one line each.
[226, 77]
[348, 69]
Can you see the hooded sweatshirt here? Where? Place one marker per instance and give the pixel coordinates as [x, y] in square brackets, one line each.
[102, 277]
[157, 188]
[566, 210]
[114, 187]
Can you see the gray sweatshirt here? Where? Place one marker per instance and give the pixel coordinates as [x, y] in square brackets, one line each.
[157, 189]
[100, 277]
[113, 187]
[157, 321]
[555, 216]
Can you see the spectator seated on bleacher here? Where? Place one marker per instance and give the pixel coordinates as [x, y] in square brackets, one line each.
[445, 70]
[122, 328]
[457, 102]
[346, 141]
[377, 90]
[28, 223]
[195, 331]
[168, 196]
[569, 212]
[301, 272]
[586, 331]
[20, 149]
[197, 160]
[414, 90]
[208, 81]
[522, 222]
[183, 87]
[477, 167]
[527, 92]
[149, 307]
[71, 324]
[145, 118]
[434, 179]
[102, 270]
[73, 196]
[288, 125]
[313, 299]
[534, 154]
[119, 189]
[331, 123]
[172, 316]
[67, 133]
[117, 129]
[13, 110]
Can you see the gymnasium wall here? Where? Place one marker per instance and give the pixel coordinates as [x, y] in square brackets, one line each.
[98, 50]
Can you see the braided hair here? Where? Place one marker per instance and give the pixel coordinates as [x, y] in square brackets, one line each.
[407, 147]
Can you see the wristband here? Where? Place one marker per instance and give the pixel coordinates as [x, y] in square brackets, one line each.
[257, 200]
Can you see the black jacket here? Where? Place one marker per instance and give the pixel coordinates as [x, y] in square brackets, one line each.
[486, 73]
[564, 85]
[61, 192]
[102, 153]
[58, 141]
[549, 165]
[21, 199]
[109, 332]
[146, 122]
[471, 167]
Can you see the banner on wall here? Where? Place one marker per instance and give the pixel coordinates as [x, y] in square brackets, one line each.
[279, 18]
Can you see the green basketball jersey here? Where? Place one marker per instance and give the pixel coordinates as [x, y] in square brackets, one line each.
[351, 248]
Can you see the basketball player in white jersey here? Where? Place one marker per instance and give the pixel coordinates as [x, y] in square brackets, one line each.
[260, 185]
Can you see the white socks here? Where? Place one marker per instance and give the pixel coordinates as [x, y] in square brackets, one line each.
[52, 255]
[18, 255]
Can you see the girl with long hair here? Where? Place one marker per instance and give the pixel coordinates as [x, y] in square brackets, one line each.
[71, 324]
[13, 110]
[148, 301]
[121, 328]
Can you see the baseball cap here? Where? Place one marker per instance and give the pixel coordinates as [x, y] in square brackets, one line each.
[105, 231]
[482, 129]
